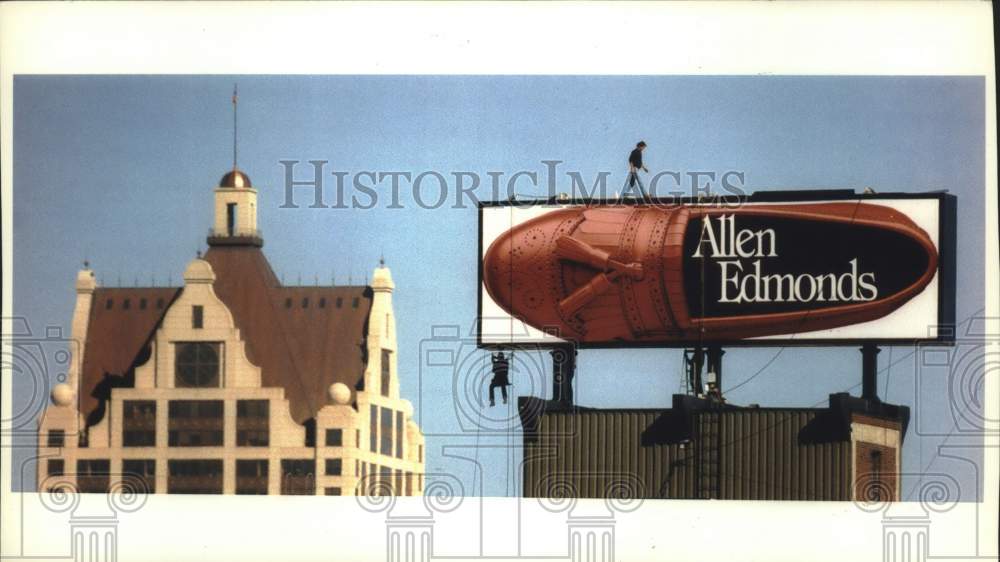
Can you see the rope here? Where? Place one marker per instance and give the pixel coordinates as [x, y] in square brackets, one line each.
[510, 452]
[510, 272]
[510, 363]
[479, 426]
[888, 375]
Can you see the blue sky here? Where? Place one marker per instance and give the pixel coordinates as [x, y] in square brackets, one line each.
[120, 170]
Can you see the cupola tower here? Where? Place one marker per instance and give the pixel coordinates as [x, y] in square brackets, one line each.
[235, 205]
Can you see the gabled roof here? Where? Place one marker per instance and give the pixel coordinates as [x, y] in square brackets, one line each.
[303, 338]
[302, 347]
[122, 321]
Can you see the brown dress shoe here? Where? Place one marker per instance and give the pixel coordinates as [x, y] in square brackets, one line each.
[616, 273]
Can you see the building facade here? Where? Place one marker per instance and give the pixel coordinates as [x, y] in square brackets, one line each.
[233, 383]
[701, 449]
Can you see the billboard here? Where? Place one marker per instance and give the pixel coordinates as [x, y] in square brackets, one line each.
[774, 268]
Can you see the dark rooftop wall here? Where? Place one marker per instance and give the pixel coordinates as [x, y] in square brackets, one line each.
[750, 454]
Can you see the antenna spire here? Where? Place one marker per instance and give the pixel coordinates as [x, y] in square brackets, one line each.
[235, 99]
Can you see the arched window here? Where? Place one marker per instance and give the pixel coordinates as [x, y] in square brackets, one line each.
[196, 365]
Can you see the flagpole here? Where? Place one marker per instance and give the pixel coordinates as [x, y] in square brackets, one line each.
[234, 126]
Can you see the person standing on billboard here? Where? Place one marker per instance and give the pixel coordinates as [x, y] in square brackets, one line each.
[634, 165]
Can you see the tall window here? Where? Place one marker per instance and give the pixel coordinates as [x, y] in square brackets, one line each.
[141, 474]
[298, 476]
[92, 475]
[139, 423]
[195, 423]
[386, 360]
[196, 364]
[399, 435]
[373, 429]
[252, 423]
[197, 317]
[251, 476]
[201, 476]
[385, 476]
[230, 219]
[385, 427]
[875, 460]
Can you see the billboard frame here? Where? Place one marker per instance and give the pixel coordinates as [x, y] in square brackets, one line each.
[946, 274]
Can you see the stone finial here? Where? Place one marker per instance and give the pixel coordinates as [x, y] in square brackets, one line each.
[62, 395]
[199, 271]
[382, 279]
[85, 281]
[339, 394]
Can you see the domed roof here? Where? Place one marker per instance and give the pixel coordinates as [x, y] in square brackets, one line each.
[235, 178]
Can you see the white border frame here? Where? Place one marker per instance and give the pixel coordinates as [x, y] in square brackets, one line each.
[834, 38]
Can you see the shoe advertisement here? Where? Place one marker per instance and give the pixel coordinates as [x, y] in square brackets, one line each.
[424, 281]
[675, 272]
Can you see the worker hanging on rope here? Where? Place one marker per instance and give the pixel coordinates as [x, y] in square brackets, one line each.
[634, 165]
[501, 365]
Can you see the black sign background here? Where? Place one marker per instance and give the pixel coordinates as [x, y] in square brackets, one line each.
[802, 247]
